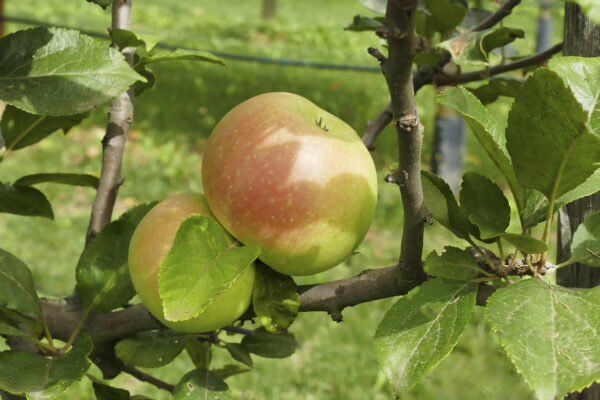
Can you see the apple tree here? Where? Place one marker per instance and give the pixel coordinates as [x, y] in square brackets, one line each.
[548, 156]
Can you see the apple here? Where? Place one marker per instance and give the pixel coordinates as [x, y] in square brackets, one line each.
[151, 242]
[282, 174]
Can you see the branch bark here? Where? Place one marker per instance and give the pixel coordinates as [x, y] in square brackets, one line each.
[398, 30]
[496, 17]
[113, 143]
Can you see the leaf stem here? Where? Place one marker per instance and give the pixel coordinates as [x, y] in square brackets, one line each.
[47, 332]
[76, 331]
[483, 254]
[500, 249]
[21, 136]
[569, 262]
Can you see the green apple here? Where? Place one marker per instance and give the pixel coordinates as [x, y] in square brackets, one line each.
[282, 174]
[151, 242]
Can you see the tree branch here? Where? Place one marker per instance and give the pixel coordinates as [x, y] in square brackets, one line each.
[398, 30]
[496, 17]
[144, 377]
[117, 130]
[426, 75]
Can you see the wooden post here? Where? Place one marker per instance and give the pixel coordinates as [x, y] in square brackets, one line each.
[582, 38]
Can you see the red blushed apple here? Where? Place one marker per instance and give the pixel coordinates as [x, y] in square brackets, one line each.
[151, 242]
[284, 175]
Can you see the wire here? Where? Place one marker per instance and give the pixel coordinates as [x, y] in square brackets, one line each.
[226, 55]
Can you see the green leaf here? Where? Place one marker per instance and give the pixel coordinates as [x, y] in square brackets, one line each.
[427, 58]
[230, 370]
[456, 264]
[240, 353]
[101, 3]
[24, 200]
[21, 129]
[201, 384]
[103, 391]
[473, 48]
[441, 204]
[421, 329]
[377, 6]
[102, 275]
[361, 23]
[17, 291]
[586, 241]
[56, 71]
[582, 75]
[180, 55]
[486, 130]
[8, 326]
[536, 205]
[550, 333]
[551, 147]
[150, 76]
[67, 179]
[127, 38]
[526, 244]
[489, 92]
[22, 372]
[275, 299]
[269, 345]
[29, 324]
[484, 204]
[199, 351]
[150, 349]
[442, 16]
[200, 242]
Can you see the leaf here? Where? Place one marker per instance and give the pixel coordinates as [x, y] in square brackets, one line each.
[21, 129]
[442, 16]
[201, 384]
[473, 48]
[484, 204]
[8, 326]
[454, 263]
[200, 242]
[150, 349]
[421, 329]
[24, 200]
[17, 290]
[230, 370]
[269, 345]
[496, 87]
[550, 333]
[377, 6]
[127, 38]
[199, 351]
[22, 372]
[586, 241]
[526, 244]
[361, 23]
[103, 391]
[441, 204]
[536, 205]
[67, 179]
[180, 55]
[551, 147]
[150, 76]
[275, 299]
[427, 58]
[582, 75]
[56, 71]
[101, 3]
[486, 130]
[102, 275]
[240, 353]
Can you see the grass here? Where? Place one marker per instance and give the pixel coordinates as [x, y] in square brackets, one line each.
[171, 125]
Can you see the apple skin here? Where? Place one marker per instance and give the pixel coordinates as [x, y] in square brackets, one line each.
[151, 242]
[284, 175]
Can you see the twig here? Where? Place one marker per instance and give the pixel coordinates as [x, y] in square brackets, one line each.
[144, 377]
[497, 16]
[117, 130]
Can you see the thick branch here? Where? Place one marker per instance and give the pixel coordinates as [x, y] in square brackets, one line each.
[496, 17]
[113, 144]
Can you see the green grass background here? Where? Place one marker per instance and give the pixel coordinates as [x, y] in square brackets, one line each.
[171, 126]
